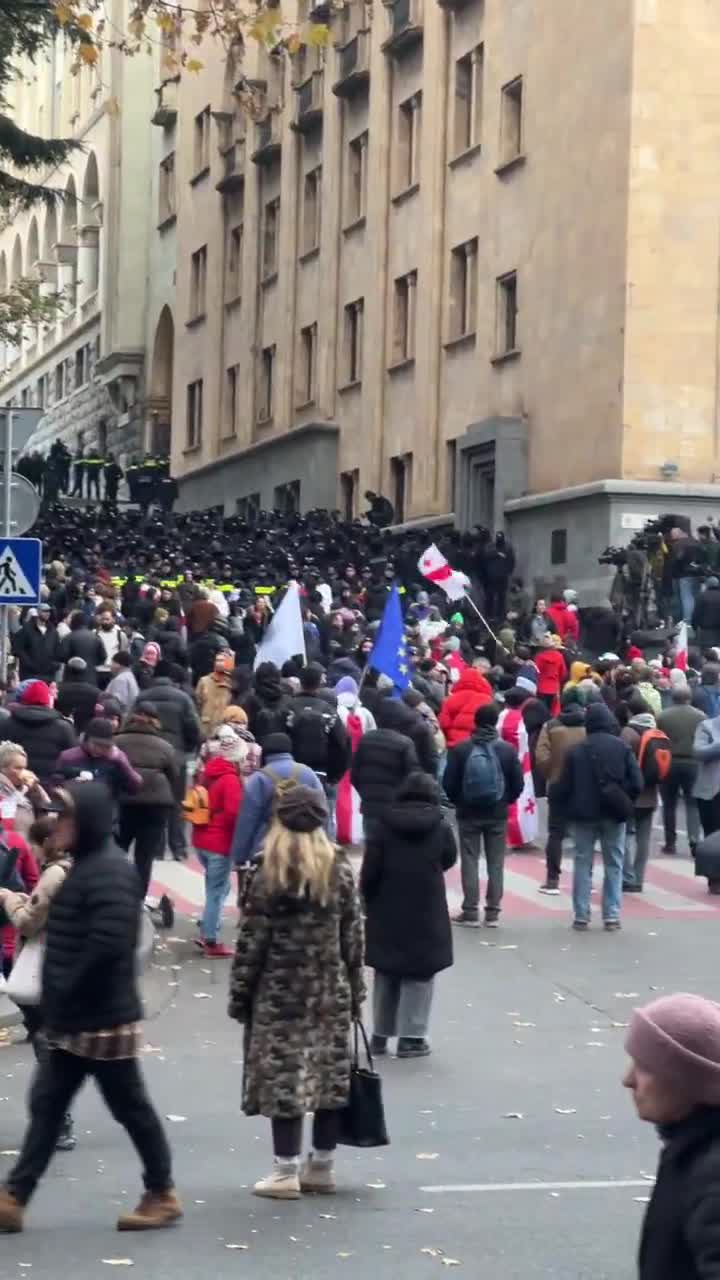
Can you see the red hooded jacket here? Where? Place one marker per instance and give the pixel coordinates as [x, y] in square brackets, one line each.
[224, 790]
[457, 714]
[566, 621]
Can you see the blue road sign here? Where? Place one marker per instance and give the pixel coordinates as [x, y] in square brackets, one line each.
[20, 570]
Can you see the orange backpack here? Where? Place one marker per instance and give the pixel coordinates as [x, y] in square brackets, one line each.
[196, 806]
[654, 756]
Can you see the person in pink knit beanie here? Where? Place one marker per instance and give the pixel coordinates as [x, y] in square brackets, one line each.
[674, 1077]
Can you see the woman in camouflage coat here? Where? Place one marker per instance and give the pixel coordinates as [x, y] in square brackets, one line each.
[297, 981]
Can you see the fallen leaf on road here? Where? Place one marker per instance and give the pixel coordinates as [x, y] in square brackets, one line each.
[176, 1119]
[329, 1217]
[427, 1155]
[343, 1255]
[513, 1115]
[451, 1262]
[376, 1186]
[424, 1210]
[202, 995]
[508, 946]
[524, 1024]
[238, 1246]
[432, 1253]
[565, 1111]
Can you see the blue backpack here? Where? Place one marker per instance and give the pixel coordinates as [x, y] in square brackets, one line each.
[483, 784]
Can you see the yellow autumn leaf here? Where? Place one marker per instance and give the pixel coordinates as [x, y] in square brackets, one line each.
[85, 21]
[194, 64]
[318, 35]
[88, 54]
[165, 21]
[63, 14]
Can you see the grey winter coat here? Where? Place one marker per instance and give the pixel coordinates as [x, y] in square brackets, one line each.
[296, 979]
[707, 753]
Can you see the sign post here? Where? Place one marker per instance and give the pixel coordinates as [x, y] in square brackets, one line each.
[20, 558]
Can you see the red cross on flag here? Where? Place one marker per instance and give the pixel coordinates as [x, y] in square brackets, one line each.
[433, 566]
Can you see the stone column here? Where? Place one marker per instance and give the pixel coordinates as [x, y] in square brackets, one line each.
[88, 255]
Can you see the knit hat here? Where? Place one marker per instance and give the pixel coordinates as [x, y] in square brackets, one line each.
[151, 654]
[302, 809]
[35, 694]
[226, 743]
[276, 744]
[677, 1039]
[523, 682]
[347, 685]
[77, 664]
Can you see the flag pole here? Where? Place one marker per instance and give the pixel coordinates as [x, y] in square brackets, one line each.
[484, 621]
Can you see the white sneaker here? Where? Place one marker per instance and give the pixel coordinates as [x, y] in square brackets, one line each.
[278, 1186]
[549, 887]
[319, 1179]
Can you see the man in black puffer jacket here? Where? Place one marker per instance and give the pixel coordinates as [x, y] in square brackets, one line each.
[39, 729]
[382, 761]
[181, 728]
[268, 706]
[92, 1012]
[393, 713]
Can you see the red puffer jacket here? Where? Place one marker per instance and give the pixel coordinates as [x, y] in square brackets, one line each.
[457, 714]
[224, 790]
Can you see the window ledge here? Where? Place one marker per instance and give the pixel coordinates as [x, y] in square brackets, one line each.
[194, 321]
[462, 340]
[463, 156]
[509, 165]
[309, 254]
[402, 196]
[350, 386]
[233, 302]
[229, 437]
[264, 420]
[167, 222]
[198, 177]
[191, 448]
[356, 225]
[398, 365]
[269, 279]
[504, 357]
[305, 404]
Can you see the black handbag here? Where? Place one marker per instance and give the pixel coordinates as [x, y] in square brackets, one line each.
[362, 1121]
[613, 798]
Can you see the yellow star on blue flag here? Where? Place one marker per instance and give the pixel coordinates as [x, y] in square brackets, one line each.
[389, 654]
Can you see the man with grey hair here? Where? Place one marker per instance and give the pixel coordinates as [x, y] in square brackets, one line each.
[679, 722]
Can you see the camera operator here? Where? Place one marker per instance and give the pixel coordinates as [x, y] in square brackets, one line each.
[706, 614]
[687, 570]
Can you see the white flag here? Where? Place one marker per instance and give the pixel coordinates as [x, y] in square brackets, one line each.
[433, 565]
[284, 637]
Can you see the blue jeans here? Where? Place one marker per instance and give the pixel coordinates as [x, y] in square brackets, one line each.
[612, 844]
[687, 588]
[217, 870]
[330, 789]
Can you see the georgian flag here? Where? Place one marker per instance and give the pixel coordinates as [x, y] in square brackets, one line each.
[523, 814]
[681, 647]
[435, 568]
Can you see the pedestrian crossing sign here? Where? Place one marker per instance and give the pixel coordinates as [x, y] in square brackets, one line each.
[20, 570]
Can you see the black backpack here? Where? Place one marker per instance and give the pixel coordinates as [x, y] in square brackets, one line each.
[310, 731]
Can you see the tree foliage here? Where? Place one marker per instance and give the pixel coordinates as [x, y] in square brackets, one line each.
[23, 308]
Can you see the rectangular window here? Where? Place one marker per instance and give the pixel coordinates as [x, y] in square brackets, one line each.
[451, 473]
[403, 338]
[60, 381]
[463, 289]
[233, 279]
[80, 366]
[353, 341]
[287, 498]
[400, 469]
[511, 139]
[349, 482]
[41, 393]
[198, 283]
[25, 397]
[232, 391]
[311, 210]
[166, 188]
[558, 546]
[201, 142]
[266, 388]
[468, 100]
[357, 178]
[507, 314]
[408, 143]
[194, 422]
[271, 231]
[248, 508]
[307, 364]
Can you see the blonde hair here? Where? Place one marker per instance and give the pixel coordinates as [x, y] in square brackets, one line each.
[298, 862]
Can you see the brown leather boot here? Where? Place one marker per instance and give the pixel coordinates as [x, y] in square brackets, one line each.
[156, 1209]
[11, 1212]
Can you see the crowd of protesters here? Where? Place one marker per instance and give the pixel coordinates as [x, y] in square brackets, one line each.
[142, 713]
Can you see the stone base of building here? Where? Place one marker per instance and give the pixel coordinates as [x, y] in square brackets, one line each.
[559, 535]
[297, 471]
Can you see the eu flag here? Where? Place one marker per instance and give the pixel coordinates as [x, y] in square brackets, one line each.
[389, 654]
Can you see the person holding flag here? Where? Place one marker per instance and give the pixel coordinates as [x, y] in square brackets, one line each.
[523, 813]
[389, 656]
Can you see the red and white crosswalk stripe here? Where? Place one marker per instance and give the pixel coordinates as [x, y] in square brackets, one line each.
[671, 889]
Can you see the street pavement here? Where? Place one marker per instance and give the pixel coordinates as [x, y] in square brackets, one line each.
[515, 1151]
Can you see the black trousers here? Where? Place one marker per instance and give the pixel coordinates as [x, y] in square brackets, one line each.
[709, 811]
[680, 779]
[557, 827]
[58, 1078]
[287, 1134]
[146, 826]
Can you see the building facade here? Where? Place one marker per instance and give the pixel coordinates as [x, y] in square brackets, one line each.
[466, 255]
[87, 370]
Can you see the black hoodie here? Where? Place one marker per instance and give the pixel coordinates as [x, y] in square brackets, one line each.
[268, 706]
[407, 932]
[89, 981]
